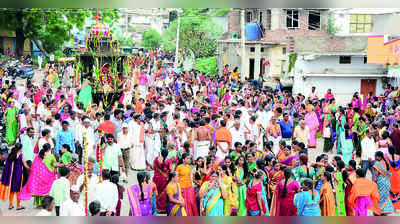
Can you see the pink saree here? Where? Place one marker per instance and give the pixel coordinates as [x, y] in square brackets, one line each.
[312, 123]
[40, 181]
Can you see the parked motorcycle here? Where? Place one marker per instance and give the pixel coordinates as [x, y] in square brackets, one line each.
[4, 150]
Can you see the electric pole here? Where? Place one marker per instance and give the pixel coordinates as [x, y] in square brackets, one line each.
[177, 38]
[243, 34]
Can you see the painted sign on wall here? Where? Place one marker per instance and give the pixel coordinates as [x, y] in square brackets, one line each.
[381, 52]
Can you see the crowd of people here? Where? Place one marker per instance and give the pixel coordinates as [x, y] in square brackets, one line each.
[199, 146]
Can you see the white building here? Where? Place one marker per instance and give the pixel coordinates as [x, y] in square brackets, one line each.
[134, 21]
[340, 62]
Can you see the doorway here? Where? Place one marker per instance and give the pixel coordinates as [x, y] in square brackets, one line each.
[262, 66]
[251, 68]
[368, 85]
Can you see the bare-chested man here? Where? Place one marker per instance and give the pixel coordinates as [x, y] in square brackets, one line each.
[202, 138]
[25, 119]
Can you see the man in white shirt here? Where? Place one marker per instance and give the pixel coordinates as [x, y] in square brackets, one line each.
[125, 142]
[238, 133]
[107, 194]
[47, 206]
[302, 133]
[313, 95]
[86, 129]
[368, 147]
[28, 144]
[138, 158]
[73, 207]
[93, 181]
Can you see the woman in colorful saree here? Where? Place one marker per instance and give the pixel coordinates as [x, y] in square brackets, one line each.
[213, 194]
[242, 173]
[140, 196]
[175, 202]
[85, 95]
[340, 122]
[11, 123]
[349, 179]
[185, 181]
[41, 177]
[275, 176]
[306, 201]
[11, 178]
[364, 195]
[348, 146]
[255, 204]
[327, 201]
[382, 179]
[287, 158]
[303, 171]
[285, 192]
[394, 166]
[231, 201]
[162, 167]
[313, 124]
[339, 187]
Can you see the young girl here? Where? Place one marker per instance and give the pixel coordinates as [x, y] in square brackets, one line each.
[185, 182]
[306, 201]
[175, 201]
[242, 175]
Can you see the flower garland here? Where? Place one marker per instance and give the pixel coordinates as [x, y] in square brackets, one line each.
[86, 163]
[99, 155]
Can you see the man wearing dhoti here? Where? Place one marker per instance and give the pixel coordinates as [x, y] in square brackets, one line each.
[223, 140]
[202, 140]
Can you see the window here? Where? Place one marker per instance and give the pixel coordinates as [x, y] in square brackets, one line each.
[314, 20]
[268, 20]
[292, 19]
[360, 23]
[284, 50]
[262, 49]
[344, 60]
[249, 17]
[252, 49]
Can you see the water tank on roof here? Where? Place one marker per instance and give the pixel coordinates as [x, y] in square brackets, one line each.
[253, 31]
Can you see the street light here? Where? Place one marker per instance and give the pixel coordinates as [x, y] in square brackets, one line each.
[177, 38]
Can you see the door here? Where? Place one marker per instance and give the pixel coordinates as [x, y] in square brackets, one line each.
[262, 67]
[251, 68]
[368, 85]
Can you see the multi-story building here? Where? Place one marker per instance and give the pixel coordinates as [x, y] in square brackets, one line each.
[340, 61]
[268, 55]
[135, 21]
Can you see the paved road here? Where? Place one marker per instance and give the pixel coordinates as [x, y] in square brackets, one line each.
[31, 211]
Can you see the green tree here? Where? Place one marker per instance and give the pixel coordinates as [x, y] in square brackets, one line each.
[151, 39]
[49, 29]
[207, 65]
[198, 33]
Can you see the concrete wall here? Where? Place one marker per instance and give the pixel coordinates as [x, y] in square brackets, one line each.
[330, 64]
[279, 32]
[277, 61]
[380, 17]
[229, 52]
[343, 88]
[327, 44]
